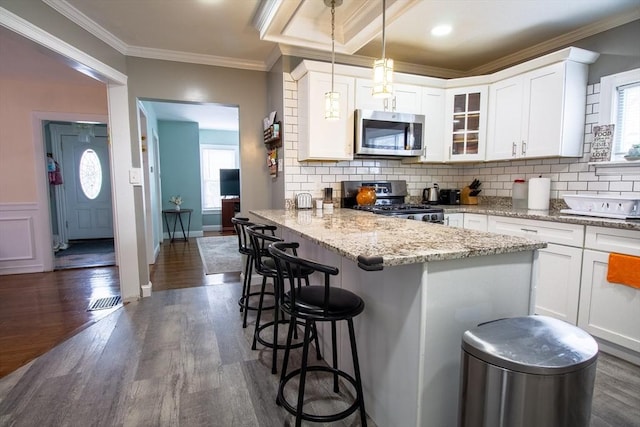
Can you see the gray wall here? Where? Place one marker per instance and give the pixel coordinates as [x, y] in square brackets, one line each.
[174, 81]
[275, 99]
[619, 50]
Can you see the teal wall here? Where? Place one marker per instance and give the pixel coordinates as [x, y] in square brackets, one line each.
[180, 167]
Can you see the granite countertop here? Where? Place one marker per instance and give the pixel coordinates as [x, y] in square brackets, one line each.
[550, 215]
[352, 233]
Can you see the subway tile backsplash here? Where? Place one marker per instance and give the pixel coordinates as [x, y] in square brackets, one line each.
[568, 175]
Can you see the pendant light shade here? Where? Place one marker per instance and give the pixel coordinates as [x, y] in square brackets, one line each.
[383, 67]
[332, 99]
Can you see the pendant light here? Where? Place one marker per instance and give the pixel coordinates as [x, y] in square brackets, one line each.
[332, 99]
[383, 67]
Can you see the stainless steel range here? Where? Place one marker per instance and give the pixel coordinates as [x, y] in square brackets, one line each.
[390, 200]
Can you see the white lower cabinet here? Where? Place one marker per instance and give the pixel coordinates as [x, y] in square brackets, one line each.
[607, 310]
[557, 278]
[475, 222]
[454, 220]
[558, 282]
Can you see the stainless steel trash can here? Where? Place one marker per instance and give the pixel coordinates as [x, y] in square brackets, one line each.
[529, 371]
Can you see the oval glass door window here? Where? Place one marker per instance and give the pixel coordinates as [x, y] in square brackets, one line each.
[90, 172]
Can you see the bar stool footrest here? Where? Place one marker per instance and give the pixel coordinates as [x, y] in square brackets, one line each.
[312, 417]
[284, 322]
[242, 304]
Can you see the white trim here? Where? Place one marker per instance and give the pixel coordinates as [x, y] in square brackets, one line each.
[607, 115]
[126, 234]
[608, 85]
[43, 237]
[146, 290]
[196, 58]
[211, 227]
[86, 64]
[622, 167]
[558, 42]
[65, 9]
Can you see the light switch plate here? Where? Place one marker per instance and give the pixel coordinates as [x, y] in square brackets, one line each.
[135, 176]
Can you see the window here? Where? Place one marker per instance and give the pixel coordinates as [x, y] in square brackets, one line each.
[90, 173]
[620, 105]
[212, 159]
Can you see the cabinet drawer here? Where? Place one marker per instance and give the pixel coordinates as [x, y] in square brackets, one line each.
[552, 232]
[475, 222]
[613, 240]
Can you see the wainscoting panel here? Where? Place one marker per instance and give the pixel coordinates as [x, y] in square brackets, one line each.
[18, 231]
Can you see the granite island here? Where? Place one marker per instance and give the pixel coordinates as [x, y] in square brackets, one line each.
[433, 283]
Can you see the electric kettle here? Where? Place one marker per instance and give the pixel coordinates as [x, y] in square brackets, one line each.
[431, 194]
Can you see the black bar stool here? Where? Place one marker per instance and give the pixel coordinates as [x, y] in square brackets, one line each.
[261, 237]
[244, 247]
[315, 303]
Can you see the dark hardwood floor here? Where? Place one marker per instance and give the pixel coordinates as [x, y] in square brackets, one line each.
[180, 357]
[40, 310]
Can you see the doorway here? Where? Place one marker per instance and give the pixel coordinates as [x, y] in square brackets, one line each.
[81, 208]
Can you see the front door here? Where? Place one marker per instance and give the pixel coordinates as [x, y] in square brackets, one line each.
[87, 188]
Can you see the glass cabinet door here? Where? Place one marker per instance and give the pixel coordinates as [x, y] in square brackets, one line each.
[466, 124]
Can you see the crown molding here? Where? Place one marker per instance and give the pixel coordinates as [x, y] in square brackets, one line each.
[555, 43]
[367, 62]
[79, 18]
[196, 58]
[265, 14]
[76, 58]
[73, 14]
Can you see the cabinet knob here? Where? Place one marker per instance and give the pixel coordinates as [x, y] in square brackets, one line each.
[513, 149]
[524, 148]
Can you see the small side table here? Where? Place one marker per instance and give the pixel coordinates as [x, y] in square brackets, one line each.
[177, 214]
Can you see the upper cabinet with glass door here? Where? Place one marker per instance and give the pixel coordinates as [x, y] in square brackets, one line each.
[466, 113]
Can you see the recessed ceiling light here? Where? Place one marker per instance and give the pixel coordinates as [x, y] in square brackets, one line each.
[441, 30]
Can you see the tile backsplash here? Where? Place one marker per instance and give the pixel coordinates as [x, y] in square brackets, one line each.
[568, 175]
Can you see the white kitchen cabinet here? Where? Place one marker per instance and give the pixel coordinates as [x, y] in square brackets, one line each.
[475, 222]
[608, 310]
[465, 124]
[540, 113]
[319, 138]
[433, 105]
[406, 98]
[557, 278]
[454, 220]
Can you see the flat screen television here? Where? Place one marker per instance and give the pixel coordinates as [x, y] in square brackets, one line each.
[230, 182]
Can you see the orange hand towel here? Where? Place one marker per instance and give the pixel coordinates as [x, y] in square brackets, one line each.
[624, 269]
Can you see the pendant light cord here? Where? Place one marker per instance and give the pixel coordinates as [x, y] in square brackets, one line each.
[333, 40]
[384, 39]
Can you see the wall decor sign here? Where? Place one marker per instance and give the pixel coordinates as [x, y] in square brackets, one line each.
[601, 145]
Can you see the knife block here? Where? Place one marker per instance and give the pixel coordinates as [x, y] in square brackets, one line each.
[466, 199]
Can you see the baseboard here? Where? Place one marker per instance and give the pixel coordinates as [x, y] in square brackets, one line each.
[146, 290]
[22, 269]
[178, 235]
[211, 228]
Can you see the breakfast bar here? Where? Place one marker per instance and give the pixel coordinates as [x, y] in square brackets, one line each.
[431, 284]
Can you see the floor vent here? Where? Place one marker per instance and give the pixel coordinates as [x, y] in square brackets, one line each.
[104, 303]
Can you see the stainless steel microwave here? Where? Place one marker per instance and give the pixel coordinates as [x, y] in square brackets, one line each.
[388, 133]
